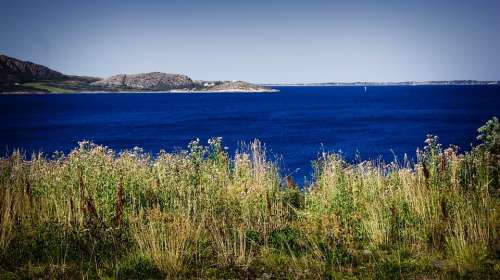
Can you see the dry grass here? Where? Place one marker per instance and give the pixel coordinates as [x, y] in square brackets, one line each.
[199, 213]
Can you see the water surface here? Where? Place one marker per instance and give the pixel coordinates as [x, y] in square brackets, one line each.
[295, 124]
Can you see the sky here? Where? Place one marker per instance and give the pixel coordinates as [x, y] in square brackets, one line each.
[261, 41]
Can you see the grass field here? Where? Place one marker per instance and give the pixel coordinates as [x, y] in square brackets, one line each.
[70, 85]
[95, 213]
[47, 88]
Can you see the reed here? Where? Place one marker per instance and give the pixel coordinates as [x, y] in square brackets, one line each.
[95, 213]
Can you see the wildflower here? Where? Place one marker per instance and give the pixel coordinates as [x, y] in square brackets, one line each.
[215, 141]
[451, 152]
[433, 144]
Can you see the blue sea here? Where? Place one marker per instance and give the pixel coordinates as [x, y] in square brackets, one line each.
[296, 124]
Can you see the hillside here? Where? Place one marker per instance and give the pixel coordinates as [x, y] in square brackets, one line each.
[17, 71]
[147, 81]
[18, 76]
[237, 86]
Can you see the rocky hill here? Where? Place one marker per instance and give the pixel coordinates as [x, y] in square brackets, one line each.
[157, 81]
[147, 81]
[18, 76]
[237, 86]
[17, 71]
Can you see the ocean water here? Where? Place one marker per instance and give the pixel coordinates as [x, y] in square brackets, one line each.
[295, 124]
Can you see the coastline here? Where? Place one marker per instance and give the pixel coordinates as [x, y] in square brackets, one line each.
[378, 84]
[157, 92]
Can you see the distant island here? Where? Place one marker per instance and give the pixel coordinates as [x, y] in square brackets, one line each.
[407, 83]
[17, 76]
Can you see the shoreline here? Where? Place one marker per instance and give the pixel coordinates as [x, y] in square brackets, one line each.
[371, 85]
[128, 92]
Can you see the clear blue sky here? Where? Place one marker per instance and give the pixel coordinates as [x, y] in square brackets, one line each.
[259, 40]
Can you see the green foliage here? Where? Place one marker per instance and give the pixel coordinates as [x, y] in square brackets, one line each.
[47, 88]
[288, 240]
[489, 134]
[137, 267]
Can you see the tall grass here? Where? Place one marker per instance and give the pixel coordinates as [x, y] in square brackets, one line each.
[95, 213]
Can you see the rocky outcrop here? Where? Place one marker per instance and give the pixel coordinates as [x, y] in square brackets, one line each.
[15, 76]
[238, 86]
[16, 71]
[148, 81]
[157, 81]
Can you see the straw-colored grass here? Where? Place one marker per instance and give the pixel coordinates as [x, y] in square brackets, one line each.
[200, 213]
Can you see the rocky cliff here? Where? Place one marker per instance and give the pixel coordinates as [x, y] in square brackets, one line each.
[147, 81]
[17, 71]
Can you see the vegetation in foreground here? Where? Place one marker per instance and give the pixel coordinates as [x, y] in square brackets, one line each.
[198, 213]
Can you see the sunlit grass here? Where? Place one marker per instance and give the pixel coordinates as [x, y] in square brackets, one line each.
[201, 213]
[45, 87]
